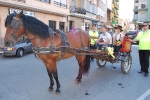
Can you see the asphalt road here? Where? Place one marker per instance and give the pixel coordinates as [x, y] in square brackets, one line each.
[26, 79]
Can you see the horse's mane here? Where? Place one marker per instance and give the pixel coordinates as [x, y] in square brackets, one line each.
[32, 25]
[9, 19]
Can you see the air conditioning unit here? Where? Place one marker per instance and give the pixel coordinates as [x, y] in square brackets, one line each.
[142, 5]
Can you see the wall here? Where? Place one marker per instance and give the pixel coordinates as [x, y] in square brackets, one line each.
[77, 21]
[46, 17]
[148, 17]
[140, 2]
[140, 16]
[104, 7]
[3, 15]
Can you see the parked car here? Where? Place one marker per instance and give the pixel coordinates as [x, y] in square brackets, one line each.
[18, 49]
[133, 34]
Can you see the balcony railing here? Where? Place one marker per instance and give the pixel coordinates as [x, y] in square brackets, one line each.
[79, 10]
[23, 1]
[46, 1]
[60, 4]
[135, 16]
[136, 7]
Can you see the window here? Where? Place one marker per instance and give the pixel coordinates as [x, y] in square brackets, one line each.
[73, 8]
[91, 8]
[46, 1]
[62, 26]
[61, 3]
[101, 12]
[52, 24]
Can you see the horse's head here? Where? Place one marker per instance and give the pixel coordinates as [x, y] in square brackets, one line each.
[14, 28]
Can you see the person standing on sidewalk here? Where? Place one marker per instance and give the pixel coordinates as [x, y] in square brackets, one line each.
[144, 46]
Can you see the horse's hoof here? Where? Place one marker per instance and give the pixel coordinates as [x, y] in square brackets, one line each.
[50, 89]
[78, 82]
[57, 93]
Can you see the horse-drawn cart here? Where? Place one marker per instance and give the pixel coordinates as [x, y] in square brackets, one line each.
[52, 46]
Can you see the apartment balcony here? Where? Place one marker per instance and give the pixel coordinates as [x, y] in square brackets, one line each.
[79, 10]
[117, 5]
[42, 6]
[82, 13]
[116, 15]
[117, 0]
[117, 8]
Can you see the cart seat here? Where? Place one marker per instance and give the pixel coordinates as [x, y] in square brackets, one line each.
[126, 45]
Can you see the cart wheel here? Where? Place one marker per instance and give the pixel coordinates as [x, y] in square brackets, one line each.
[126, 65]
[101, 63]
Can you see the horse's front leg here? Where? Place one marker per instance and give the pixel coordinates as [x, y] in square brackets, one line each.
[51, 81]
[51, 66]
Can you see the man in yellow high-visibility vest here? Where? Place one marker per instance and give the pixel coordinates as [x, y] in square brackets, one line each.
[93, 34]
[144, 46]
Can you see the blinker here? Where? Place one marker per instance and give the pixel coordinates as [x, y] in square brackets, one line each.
[14, 23]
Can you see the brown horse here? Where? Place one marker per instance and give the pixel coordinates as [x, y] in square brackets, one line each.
[41, 36]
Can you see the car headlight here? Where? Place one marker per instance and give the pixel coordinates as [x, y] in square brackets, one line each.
[10, 49]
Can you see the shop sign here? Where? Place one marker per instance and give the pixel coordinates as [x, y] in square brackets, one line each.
[86, 20]
[29, 13]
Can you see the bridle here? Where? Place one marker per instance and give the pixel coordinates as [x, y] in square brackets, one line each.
[15, 23]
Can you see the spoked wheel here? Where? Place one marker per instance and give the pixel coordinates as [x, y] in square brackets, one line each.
[126, 64]
[101, 63]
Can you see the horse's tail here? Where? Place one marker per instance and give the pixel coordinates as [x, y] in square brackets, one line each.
[86, 65]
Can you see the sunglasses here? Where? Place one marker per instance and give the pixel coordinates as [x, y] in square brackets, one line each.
[144, 25]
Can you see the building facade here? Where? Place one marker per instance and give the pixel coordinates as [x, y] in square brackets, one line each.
[109, 12]
[82, 14]
[115, 10]
[51, 12]
[102, 12]
[141, 12]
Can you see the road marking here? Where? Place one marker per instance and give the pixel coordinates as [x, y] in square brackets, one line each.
[143, 96]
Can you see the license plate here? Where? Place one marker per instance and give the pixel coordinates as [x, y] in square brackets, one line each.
[1, 52]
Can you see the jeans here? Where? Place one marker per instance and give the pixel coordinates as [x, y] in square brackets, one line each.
[117, 48]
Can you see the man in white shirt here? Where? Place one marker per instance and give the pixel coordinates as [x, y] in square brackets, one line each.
[105, 39]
